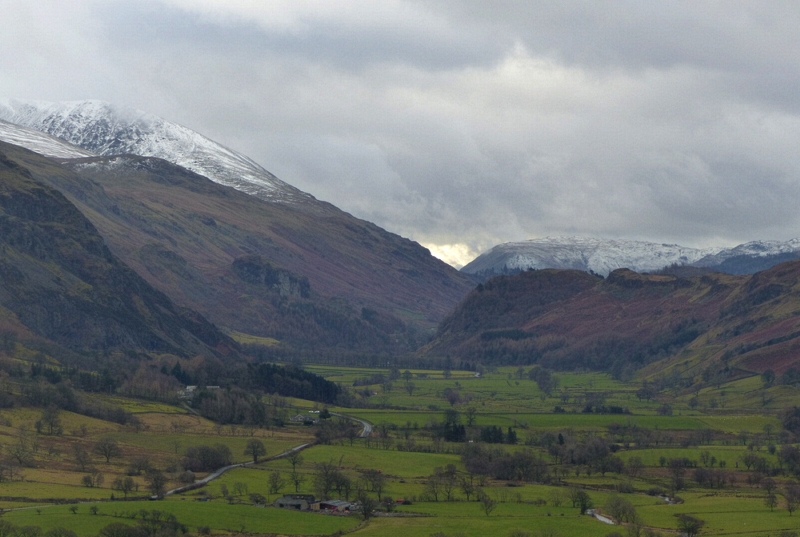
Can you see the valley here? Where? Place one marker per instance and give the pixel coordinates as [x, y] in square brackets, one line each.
[169, 310]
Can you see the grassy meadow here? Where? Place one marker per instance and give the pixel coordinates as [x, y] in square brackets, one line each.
[50, 490]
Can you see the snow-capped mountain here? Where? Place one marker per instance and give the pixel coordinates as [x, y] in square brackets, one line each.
[604, 255]
[755, 249]
[104, 129]
[39, 142]
[588, 254]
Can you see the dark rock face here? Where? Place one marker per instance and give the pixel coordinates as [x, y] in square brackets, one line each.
[62, 282]
[256, 270]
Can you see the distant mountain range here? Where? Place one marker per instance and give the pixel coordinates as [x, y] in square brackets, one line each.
[602, 256]
[262, 259]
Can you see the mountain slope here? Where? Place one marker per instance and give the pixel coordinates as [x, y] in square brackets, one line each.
[351, 263]
[58, 279]
[570, 319]
[262, 268]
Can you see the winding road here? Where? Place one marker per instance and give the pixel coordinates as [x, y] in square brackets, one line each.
[365, 432]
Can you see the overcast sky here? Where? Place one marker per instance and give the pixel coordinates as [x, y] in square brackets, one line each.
[461, 124]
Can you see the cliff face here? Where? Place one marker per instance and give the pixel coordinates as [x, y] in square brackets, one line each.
[58, 278]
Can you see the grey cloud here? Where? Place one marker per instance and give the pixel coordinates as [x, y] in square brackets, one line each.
[471, 122]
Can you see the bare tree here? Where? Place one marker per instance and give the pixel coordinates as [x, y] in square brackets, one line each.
[488, 504]
[276, 482]
[107, 447]
[367, 503]
[81, 456]
[295, 459]
[125, 485]
[50, 420]
[297, 479]
[156, 482]
[470, 413]
[467, 485]
[255, 448]
[792, 497]
[689, 525]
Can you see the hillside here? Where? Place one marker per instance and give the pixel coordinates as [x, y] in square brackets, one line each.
[58, 280]
[257, 267]
[571, 320]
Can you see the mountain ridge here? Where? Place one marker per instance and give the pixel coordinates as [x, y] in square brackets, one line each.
[602, 256]
[105, 129]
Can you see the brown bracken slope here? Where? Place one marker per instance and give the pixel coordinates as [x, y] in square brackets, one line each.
[569, 320]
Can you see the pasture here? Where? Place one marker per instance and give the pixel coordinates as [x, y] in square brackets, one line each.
[407, 449]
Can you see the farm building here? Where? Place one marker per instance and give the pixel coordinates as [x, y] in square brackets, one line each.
[332, 505]
[301, 502]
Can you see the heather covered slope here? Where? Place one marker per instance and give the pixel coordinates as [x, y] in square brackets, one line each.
[60, 281]
[571, 320]
[760, 328]
[259, 267]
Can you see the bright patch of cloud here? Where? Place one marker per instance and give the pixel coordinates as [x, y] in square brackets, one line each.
[456, 255]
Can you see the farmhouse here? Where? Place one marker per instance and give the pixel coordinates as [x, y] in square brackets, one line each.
[307, 420]
[301, 502]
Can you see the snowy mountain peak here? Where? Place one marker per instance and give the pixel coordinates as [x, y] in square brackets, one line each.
[582, 253]
[105, 129]
[605, 255]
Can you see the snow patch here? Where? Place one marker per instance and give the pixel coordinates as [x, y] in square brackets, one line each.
[106, 130]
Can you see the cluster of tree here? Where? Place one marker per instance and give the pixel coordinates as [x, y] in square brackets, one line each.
[790, 377]
[713, 478]
[329, 430]
[88, 381]
[452, 430]
[206, 458]
[605, 409]
[494, 435]
[790, 419]
[523, 465]
[595, 454]
[237, 406]
[177, 371]
[377, 378]
[444, 482]
[544, 379]
[62, 396]
[328, 478]
[292, 382]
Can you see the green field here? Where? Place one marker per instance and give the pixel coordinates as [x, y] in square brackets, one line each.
[221, 517]
[407, 450]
